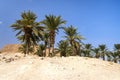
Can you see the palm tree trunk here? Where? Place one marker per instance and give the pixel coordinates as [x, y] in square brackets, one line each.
[27, 50]
[73, 49]
[52, 41]
[51, 50]
[80, 52]
[103, 56]
[45, 52]
[97, 56]
[45, 49]
[115, 61]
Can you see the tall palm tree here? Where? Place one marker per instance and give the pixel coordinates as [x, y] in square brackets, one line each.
[73, 37]
[29, 31]
[52, 24]
[103, 50]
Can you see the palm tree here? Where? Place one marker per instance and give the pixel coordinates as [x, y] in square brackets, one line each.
[29, 31]
[63, 48]
[117, 47]
[22, 49]
[96, 51]
[110, 56]
[40, 50]
[52, 24]
[77, 47]
[117, 50]
[102, 50]
[87, 50]
[113, 56]
[73, 37]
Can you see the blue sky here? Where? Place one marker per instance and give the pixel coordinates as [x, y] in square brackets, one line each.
[97, 20]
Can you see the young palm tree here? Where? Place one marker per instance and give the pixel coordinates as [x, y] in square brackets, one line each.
[29, 30]
[103, 50]
[73, 37]
[114, 56]
[117, 47]
[109, 55]
[117, 50]
[87, 50]
[63, 48]
[96, 51]
[22, 49]
[52, 24]
[40, 50]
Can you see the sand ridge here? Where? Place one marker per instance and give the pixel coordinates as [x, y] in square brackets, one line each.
[59, 68]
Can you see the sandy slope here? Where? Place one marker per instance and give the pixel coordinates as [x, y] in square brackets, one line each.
[70, 68]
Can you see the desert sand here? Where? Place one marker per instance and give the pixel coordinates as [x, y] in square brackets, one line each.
[57, 68]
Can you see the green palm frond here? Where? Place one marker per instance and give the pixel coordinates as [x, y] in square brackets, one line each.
[117, 46]
[53, 22]
[29, 31]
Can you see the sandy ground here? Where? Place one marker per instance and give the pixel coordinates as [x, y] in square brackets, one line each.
[56, 68]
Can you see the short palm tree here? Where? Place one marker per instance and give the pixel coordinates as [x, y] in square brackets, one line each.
[87, 50]
[110, 56]
[117, 50]
[40, 50]
[73, 37]
[117, 47]
[52, 24]
[103, 50]
[96, 51]
[63, 48]
[22, 49]
[114, 56]
[29, 31]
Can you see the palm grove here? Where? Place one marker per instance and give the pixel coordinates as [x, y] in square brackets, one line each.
[37, 37]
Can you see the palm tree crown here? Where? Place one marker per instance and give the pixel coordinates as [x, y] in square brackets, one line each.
[52, 24]
[28, 29]
[103, 50]
[73, 37]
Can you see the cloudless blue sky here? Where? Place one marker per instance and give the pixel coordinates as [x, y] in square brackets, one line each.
[97, 20]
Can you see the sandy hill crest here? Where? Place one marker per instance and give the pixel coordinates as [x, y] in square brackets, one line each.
[59, 68]
[10, 48]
